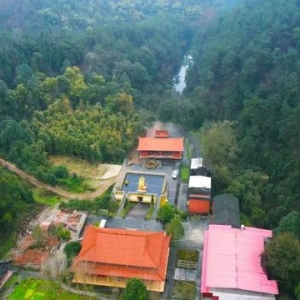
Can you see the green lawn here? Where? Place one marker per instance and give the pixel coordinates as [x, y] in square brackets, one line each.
[36, 289]
[126, 209]
[45, 197]
[188, 255]
[184, 290]
[184, 173]
[187, 149]
[150, 213]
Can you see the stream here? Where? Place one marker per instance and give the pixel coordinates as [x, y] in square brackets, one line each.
[179, 80]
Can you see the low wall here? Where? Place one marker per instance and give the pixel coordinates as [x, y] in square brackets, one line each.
[119, 195]
[142, 198]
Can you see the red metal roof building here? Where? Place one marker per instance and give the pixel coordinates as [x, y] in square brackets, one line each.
[231, 266]
[199, 194]
[150, 147]
[110, 257]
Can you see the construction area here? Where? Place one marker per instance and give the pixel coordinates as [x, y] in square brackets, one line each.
[38, 242]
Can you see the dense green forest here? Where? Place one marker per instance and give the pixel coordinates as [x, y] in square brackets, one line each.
[16, 203]
[246, 70]
[244, 88]
[83, 78]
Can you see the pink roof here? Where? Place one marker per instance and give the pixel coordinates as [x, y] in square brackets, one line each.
[231, 259]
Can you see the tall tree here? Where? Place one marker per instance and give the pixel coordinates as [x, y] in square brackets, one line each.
[135, 290]
[283, 260]
[220, 148]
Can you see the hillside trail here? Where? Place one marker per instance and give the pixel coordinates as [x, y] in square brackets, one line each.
[105, 184]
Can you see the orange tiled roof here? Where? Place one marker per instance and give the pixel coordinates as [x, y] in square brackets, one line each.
[158, 144]
[123, 253]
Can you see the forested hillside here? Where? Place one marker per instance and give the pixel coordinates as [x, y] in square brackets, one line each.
[76, 72]
[11, 212]
[244, 88]
[247, 70]
[69, 15]
[82, 78]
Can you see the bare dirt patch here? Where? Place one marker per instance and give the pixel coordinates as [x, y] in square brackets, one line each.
[26, 257]
[31, 258]
[111, 171]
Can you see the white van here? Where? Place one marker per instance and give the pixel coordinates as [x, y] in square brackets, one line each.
[175, 174]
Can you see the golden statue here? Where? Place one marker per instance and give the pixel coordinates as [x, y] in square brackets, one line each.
[142, 186]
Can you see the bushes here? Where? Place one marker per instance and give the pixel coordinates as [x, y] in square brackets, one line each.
[184, 173]
[61, 232]
[171, 218]
[72, 249]
[175, 228]
[103, 202]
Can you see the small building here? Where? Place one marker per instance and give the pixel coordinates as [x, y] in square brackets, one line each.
[197, 168]
[109, 257]
[161, 133]
[171, 148]
[199, 194]
[226, 210]
[231, 265]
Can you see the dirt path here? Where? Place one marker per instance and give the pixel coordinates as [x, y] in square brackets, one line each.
[57, 190]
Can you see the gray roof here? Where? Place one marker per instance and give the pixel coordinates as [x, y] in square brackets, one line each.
[226, 210]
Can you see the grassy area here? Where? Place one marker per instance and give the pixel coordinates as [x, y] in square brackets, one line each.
[155, 296]
[187, 148]
[184, 173]
[45, 197]
[126, 209]
[79, 166]
[188, 255]
[81, 172]
[76, 184]
[184, 290]
[149, 213]
[99, 206]
[35, 289]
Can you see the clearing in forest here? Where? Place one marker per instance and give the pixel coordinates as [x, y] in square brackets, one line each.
[94, 172]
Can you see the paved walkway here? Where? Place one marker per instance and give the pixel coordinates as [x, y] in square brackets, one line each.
[81, 292]
[115, 294]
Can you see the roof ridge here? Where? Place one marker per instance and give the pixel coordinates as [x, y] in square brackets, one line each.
[121, 231]
[91, 245]
[147, 249]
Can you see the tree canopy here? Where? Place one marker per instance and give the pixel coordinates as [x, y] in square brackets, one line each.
[135, 290]
[283, 260]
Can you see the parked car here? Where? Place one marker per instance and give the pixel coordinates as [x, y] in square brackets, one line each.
[175, 174]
